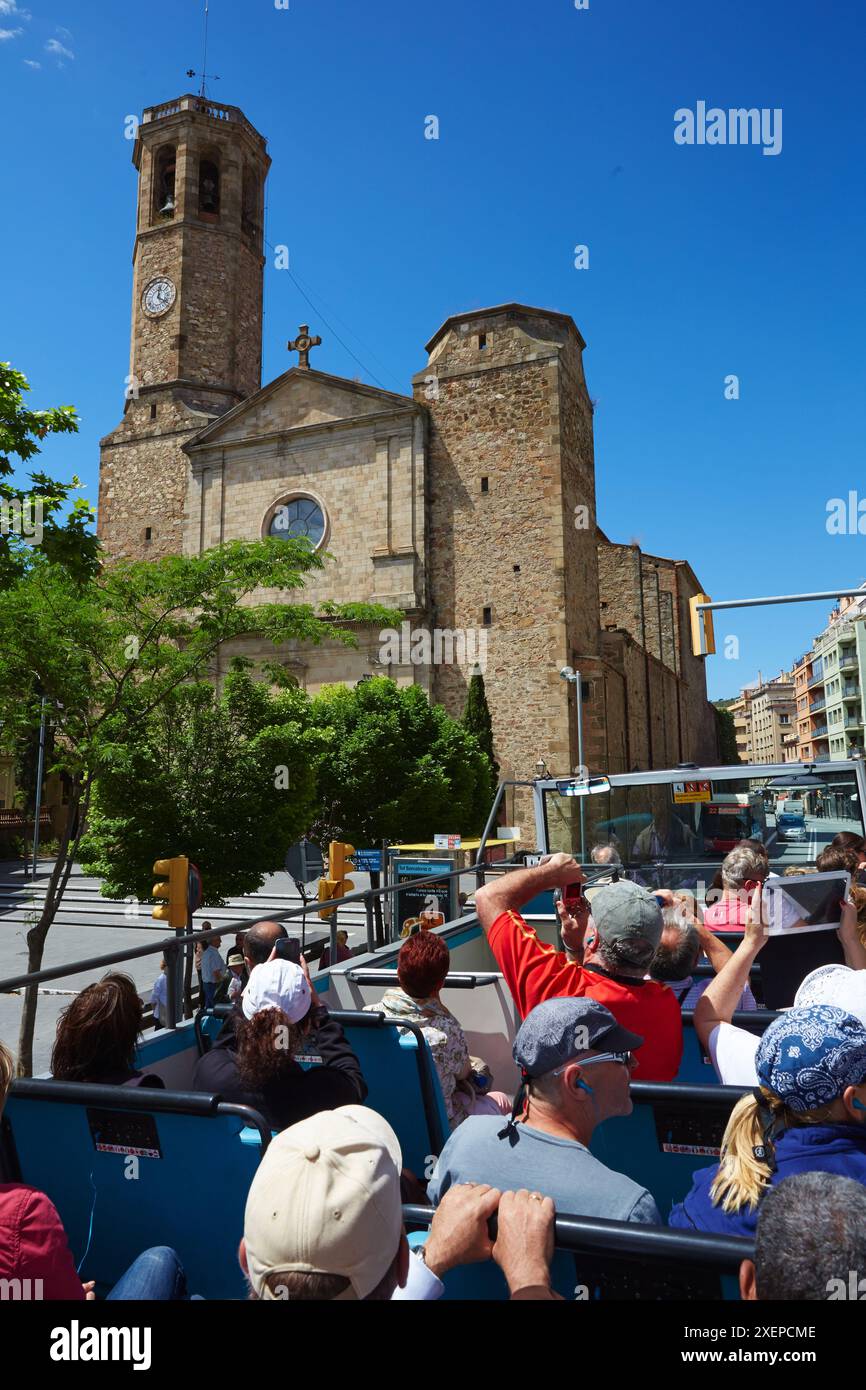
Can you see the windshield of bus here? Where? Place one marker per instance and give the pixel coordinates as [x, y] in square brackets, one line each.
[670, 834]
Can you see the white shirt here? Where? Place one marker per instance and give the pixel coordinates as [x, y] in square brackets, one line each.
[732, 1052]
[421, 1285]
[159, 996]
[212, 966]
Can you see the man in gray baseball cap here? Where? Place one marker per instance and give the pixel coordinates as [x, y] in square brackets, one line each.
[608, 947]
[575, 1062]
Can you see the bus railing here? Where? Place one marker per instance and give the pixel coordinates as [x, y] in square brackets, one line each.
[172, 948]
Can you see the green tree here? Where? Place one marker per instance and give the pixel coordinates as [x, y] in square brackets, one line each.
[66, 538]
[226, 777]
[63, 532]
[727, 735]
[396, 767]
[111, 649]
[477, 719]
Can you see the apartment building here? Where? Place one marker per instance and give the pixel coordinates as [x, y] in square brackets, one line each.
[837, 685]
[739, 709]
[772, 718]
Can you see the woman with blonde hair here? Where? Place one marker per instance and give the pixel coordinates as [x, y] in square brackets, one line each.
[808, 1114]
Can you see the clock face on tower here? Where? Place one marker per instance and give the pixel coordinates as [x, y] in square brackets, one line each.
[158, 297]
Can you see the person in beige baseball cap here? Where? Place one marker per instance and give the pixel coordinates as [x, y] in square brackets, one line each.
[323, 1216]
[324, 1220]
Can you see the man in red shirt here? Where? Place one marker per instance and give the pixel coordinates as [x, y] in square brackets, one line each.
[607, 956]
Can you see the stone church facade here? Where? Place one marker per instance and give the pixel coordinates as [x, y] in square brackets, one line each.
[467, 505]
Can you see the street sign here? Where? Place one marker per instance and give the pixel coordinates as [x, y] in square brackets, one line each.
[685, 792]
[368, 861]
[193, 891]
[427, 905]
[304, 861]
[446, 841]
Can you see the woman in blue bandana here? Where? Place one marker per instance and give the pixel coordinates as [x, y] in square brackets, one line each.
[808, 1114]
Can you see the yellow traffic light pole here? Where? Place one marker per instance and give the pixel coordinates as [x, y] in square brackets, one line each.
[174, 890]
[701, 609]
[336, 886]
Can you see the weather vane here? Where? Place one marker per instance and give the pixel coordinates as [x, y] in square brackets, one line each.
[204, 74]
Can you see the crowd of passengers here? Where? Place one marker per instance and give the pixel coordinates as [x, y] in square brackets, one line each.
[604, 1009]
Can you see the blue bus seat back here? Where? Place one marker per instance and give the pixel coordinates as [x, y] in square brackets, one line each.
[402, 1084]
[673, 1131]
[696, 1066]
[126, 1177]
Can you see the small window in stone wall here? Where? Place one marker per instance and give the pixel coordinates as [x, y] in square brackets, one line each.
[482, 341]
[153, 412]
[208, 189]
[148, 533]
[585, 691]
[487, 617]
[485, 484]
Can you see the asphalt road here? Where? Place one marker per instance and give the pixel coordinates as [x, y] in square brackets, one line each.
[89, 925]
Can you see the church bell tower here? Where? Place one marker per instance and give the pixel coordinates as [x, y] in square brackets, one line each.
[196, 347]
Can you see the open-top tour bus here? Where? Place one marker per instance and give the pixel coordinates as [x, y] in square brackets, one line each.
[130, 1168]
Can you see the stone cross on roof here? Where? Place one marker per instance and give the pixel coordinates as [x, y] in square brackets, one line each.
[302, 345]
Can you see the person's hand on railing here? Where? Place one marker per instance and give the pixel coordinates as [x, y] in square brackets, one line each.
[524, 1240]
[458, 1232]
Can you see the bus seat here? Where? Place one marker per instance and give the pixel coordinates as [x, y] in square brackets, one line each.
[696, 1067]
[402, 1081]
[672, 1131]
[73, 1141]
[614, 1260]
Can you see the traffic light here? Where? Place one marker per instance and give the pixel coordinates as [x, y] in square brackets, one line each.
[175, 889]
[703, 636]
[336, 885]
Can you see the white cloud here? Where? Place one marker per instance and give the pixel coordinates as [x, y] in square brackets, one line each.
[9, 7]
[29, 63]
[57, 50]
[10, 34]
[64, 34]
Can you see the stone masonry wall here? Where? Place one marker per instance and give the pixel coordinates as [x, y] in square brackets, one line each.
[496, 414]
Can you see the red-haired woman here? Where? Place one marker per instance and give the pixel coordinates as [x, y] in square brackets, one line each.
[422, 965]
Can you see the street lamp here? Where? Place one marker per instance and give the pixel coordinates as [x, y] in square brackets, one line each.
[569, 674]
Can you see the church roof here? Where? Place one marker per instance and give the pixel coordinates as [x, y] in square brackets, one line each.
[496, 310]
[389, 401]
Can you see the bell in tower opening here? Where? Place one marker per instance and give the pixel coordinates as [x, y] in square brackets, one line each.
[164, 183]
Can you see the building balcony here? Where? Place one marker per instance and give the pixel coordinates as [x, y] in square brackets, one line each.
[853, 721]
[815, 705]
[848, 662]
[817, 679]
[851, 690]
[820, 731]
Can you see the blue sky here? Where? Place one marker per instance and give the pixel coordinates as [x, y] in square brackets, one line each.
[556, 129]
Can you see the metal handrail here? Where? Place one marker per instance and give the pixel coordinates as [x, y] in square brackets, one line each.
[585, 1234]
[458, 980]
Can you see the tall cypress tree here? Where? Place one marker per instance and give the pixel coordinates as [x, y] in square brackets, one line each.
[477, 720]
